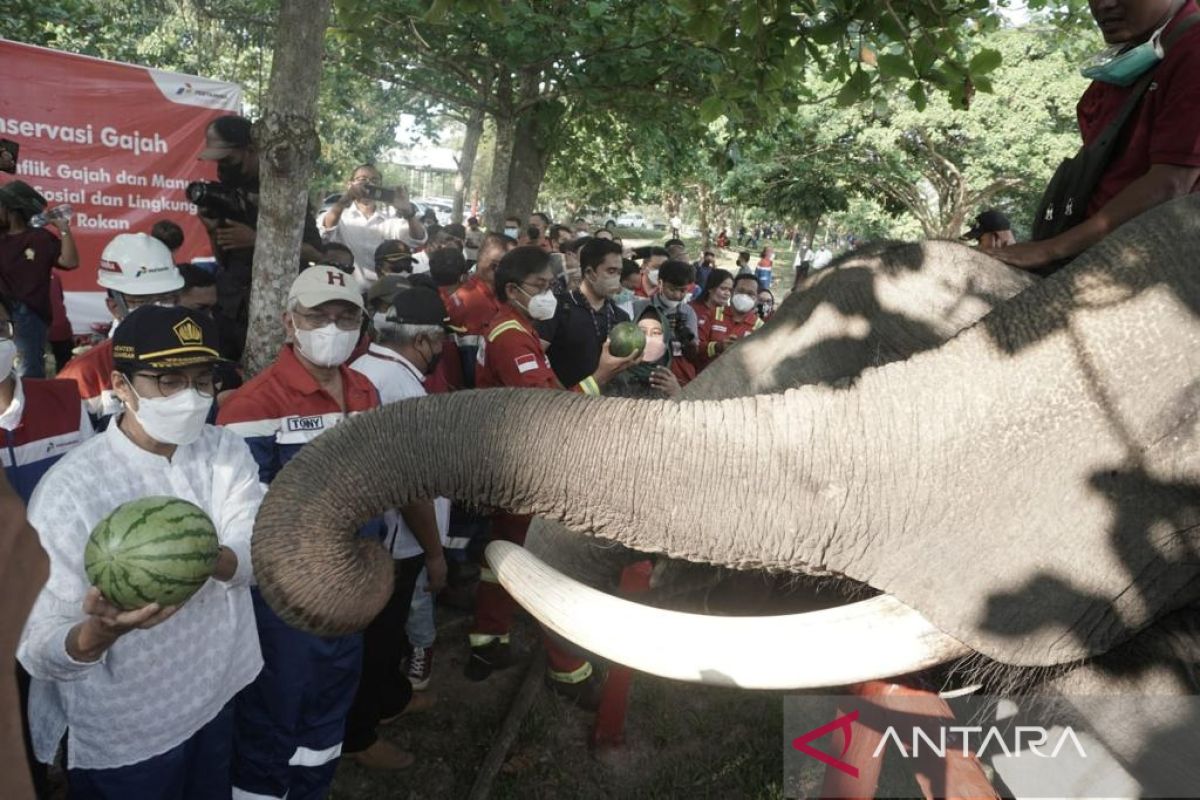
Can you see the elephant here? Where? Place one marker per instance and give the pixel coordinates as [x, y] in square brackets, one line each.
[1011, 464]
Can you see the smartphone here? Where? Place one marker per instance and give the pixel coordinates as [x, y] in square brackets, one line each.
[557, 264]
[10, 147]
[379, 193]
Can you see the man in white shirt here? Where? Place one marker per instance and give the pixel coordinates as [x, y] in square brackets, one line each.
[408, 345]
[362, 223]
[144, 696]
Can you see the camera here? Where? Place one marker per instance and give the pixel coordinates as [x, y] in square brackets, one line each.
[217, 201]
[12, 148]
[379, 193]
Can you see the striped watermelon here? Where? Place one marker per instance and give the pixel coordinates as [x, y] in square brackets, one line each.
[152, 550]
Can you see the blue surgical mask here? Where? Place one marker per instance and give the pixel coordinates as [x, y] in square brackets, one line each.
[623, 296]
[1122, 67]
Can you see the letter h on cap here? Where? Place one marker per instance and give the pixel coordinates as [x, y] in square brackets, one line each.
[335, 275]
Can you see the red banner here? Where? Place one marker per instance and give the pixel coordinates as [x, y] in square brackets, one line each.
[116, 142]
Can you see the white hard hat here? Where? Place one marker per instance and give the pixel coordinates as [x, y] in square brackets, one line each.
[138, 264]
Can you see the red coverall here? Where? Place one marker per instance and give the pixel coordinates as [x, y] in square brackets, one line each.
[511, 355]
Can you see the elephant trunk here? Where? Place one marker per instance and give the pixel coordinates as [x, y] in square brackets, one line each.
[699, 481]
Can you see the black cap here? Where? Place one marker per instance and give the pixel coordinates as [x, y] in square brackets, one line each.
[158, 337]
[392, 251]
[990, 221]
[224, 134]
[418, 305]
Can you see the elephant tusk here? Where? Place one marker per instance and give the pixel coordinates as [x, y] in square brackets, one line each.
[868, 640]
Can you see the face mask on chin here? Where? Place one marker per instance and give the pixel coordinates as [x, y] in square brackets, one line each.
[652, 277]
[671, 305]
[327, 346]
[178, 419]
[1122, 67]
[8, 357]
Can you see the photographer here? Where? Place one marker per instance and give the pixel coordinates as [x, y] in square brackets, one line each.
[366, 215]
[229, 210]
[682, 332]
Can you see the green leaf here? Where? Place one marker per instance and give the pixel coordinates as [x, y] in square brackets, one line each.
[712, 108]
[986, 61]
[855, 89]
[896, 66]
[916, 93]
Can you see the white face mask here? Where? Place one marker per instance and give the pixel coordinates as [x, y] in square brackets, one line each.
[656, 348]
[606, 285]
[743, 302]
[8, 356]
[511, 233]
[327, 346]
[178, 419]
[541, 306]
[670, 304]
[652, 276]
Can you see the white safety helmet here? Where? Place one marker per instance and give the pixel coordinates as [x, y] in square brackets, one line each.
[138, 264]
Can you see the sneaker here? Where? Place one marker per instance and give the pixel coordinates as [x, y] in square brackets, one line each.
[420, 668]
[486, 659]
[586, 693]
[383, 754]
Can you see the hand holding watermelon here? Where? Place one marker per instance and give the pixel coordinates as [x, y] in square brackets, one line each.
[106, 623]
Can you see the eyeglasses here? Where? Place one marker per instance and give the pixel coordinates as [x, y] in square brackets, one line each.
[347, 322]
[170, 383]
[7, 329]
[538, 287]
[137, 301]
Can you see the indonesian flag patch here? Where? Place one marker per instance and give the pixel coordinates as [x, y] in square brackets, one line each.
[526, 363]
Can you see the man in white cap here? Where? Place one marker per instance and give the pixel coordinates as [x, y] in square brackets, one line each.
[292, 720]
[137, 270]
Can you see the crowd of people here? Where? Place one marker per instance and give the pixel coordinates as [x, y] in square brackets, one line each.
[219, 696]
[386, 305]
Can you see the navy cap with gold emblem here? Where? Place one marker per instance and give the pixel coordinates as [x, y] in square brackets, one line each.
[158, 337]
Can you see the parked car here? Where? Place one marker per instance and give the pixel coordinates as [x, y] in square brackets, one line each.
[631, 220]
[443, 208]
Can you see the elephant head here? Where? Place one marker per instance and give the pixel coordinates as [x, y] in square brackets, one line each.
[1030, 490]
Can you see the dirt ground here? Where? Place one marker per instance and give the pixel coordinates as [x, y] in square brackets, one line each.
[682, 741]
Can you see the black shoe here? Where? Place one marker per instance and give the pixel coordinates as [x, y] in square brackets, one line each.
[486, 659]
[586, 693]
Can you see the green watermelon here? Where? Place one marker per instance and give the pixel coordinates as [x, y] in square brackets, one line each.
[152, 550]
[625, 339]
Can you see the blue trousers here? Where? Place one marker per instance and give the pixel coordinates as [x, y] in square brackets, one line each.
[198, 769]
[31, 342]
[291, 720]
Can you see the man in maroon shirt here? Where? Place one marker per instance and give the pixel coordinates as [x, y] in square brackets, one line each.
[27, 255]
[1158, 154]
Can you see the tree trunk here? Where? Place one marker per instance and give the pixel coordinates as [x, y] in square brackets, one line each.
[286, 138]
[528, 167]
[466, 161]
[502, 155]
[703, 204]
